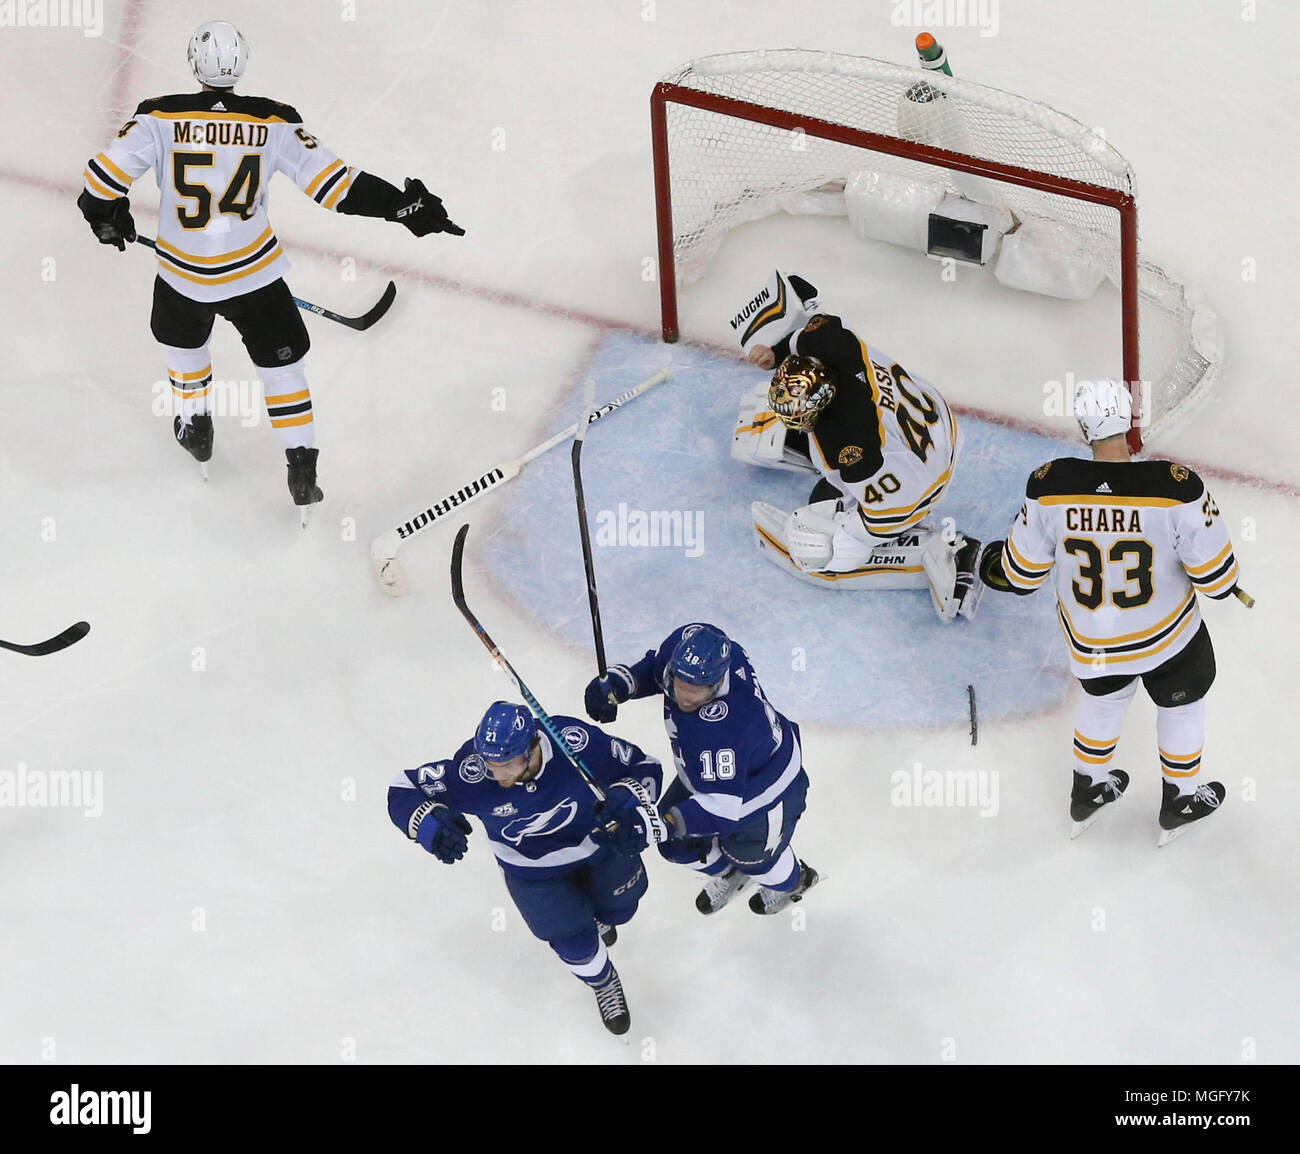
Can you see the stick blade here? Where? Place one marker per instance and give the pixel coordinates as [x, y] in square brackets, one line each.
[457, 560]
[70, 636]
[384, 303]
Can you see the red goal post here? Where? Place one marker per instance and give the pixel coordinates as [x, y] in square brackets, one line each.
[724, 130]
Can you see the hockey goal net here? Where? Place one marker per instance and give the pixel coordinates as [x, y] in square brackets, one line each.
[740, 136]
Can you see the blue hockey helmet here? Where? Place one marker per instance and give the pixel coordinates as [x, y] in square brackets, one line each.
[702, 656]
[506, 731]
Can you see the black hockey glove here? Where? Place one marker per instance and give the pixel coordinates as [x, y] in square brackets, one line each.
[421, 211]
[110, 220]
[604, 695]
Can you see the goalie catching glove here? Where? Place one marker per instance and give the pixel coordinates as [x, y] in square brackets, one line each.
[630, 820]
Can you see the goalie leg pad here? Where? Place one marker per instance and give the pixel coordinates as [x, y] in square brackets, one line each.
[889, 565]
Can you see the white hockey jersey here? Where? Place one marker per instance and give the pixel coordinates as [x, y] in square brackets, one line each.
[1131, 543]
[887, 440]
[213, 155]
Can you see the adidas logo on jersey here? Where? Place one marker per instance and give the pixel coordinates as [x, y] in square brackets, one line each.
[1104, 487]
[218, 107]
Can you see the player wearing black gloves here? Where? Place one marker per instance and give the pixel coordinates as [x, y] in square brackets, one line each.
[213, 154]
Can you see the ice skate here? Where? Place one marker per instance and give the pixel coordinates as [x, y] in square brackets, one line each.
[1179, 810]
[196, 439]
[612, 1004]
[720, 889]
[768, 901]
[1087, 799]
[302, 480]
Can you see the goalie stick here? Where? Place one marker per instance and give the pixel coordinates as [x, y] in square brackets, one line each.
[361, 323]
[70, 636]
[593, 600]
[383, 550]
[658, 830]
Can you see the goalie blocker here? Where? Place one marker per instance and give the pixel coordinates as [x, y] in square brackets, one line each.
[884, 443]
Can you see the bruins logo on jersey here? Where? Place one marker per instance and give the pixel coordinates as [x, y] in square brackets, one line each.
[850, 455]
[815, 323]
[1180, 473]
[1041, 472]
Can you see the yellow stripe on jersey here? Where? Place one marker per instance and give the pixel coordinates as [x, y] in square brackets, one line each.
[272, 256]
[220, 258]
[1102, 499]
[208, 114]
[1142, 633]
[340, 191]
[320, 177]
[929, 495]
[1198, 570]
[822, 576]
[102, 160]
[1225, 582]
[1088, 655]
[100, 190]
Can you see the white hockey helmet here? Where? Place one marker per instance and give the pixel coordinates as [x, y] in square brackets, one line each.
[1103, 409]
[218, 54]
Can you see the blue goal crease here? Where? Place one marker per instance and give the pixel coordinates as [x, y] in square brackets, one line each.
[668, 511]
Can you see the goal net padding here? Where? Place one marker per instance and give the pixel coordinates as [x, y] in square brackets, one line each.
[935, 163]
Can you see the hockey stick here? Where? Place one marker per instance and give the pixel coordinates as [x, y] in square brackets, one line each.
[543, 718]
[1245, 598]
[70, 636]
[593, 601]
[383, 550]
[361, 323]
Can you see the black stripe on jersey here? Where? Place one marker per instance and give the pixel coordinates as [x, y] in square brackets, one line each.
[110, 181]
[1089, 652]
[875, 522]
[1081, 476]
[1026, 576]
[221, 269]
[259, 107]
[323, 191]
[1217, 575]
[288, 410]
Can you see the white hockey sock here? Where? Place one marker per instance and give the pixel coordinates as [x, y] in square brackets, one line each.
[1180, 734]
[288, 404]
[1097, 725]
[190, 373]
[591, 969]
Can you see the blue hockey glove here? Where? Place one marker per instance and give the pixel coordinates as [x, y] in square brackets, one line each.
[604, 695]
[444, 834]
[631, 813]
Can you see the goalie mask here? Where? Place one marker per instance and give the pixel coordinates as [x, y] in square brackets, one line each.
[801, 388]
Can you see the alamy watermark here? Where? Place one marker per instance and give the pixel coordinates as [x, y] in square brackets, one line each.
[950, 788]
[981, 14]
[242, 399]
[55, 789]
[88, 15]
[651, 528]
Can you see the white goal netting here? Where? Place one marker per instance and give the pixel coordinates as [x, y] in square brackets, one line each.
[726, 168]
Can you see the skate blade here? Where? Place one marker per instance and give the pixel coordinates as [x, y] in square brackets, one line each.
[203, 470]
[304, 514]
[1168, 835]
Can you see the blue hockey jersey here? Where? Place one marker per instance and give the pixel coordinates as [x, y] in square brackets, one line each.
[736, 756]
[539, 828]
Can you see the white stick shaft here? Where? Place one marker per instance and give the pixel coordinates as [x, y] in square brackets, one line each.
[385, 546]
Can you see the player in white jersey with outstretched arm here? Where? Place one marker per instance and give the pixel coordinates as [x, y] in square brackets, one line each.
[213, 154]
[1130, 544]
[884, 442]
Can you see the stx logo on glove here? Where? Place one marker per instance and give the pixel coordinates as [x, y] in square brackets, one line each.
[410, 208]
